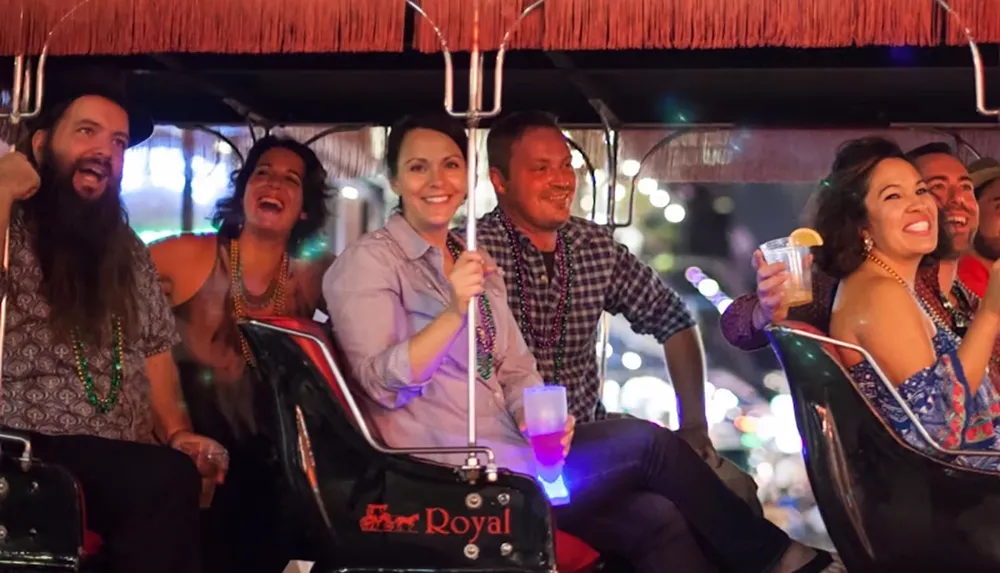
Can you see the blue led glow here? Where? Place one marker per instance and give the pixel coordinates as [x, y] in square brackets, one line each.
[556, 490]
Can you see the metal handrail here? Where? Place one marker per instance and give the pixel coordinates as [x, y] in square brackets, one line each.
[25, 458]
[891, 388]
[352, 404]
[24, 78]
[977, 63]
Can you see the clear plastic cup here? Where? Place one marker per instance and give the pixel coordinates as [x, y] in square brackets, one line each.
[798, 261]
[210, 460]
[545, 416]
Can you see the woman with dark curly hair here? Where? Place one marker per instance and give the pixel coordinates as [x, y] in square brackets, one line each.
[251, 267]
[879, 221]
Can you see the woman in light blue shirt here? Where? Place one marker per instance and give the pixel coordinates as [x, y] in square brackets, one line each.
[397, 299]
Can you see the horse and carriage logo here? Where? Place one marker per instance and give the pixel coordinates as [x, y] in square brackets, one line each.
[378, 518]
[434, 521]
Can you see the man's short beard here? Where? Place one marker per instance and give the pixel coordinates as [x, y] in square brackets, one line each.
[986, 248]
[85, 250]
[945, 250]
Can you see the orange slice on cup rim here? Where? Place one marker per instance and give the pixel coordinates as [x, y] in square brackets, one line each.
[805, 237]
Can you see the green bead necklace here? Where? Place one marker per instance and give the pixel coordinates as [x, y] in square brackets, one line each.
[106, 404]
[486, 327]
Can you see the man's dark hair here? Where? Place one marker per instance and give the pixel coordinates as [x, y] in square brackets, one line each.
[229, 215]
[933, 148]
[841, 212]
[62, 92]
[505, 132]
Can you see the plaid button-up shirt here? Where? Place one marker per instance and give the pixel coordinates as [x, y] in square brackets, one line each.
[606, 276]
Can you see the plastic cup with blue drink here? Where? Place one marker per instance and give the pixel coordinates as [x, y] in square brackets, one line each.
[545, 417]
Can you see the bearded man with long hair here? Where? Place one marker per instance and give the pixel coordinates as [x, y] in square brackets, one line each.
[88, 374]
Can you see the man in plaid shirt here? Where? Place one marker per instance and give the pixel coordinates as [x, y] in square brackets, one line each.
[562, 272]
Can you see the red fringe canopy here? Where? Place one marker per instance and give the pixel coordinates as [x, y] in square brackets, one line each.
[981, 16]
[686, 24]
[121, 27]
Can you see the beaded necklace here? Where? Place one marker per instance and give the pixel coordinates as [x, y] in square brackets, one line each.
[106, 404]
[239, 295]
[556, 336]
[486, 326]
[971, 297]
[959, 318]
[938, 321]
[972, 301]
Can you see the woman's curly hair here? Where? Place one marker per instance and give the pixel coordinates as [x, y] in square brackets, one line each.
[840, 211]
[316, 192]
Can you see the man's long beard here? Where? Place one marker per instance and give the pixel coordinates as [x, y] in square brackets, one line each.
[85, 253]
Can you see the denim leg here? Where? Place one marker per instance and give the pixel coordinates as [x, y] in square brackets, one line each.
[644, 527]
[611, 459]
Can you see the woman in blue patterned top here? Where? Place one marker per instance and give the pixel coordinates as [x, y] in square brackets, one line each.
[879, 222]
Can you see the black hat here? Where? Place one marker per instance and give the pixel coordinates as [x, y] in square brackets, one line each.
[61, 92]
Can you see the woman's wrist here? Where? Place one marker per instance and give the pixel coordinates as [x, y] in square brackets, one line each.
[179, 432]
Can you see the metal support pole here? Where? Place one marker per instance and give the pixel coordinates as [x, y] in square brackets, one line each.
[473, 115]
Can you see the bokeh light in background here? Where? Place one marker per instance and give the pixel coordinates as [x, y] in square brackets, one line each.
[153, 185]
[636, 382]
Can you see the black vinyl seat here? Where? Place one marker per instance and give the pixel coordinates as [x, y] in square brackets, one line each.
[888, 507]
[366, 507]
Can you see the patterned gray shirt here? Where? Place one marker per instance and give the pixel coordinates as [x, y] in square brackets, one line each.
[606, 277]
[41, 390]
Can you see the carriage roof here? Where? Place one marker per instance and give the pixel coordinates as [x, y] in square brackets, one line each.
[666, 65]
[676, 61]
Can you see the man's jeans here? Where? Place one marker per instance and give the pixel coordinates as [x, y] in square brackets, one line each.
[616, 464]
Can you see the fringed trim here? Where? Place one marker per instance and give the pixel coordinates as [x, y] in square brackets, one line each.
[684, 24]
[121, 27]
[981, 16]
[495, 18]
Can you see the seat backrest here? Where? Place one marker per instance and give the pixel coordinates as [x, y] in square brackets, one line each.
[304, 410]
[40, 512]
[887, 506]
[323, 353]
[363, 493]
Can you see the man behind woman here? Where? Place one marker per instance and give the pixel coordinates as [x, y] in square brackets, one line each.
[879, 222]
[397, 300]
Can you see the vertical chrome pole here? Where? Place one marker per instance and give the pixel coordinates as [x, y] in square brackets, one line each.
[472, 161]
[25, 82]
[473, 115]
